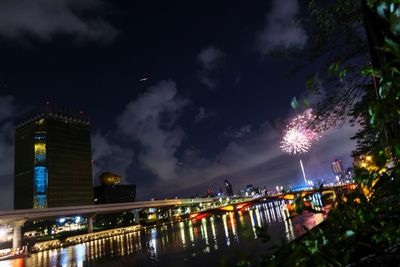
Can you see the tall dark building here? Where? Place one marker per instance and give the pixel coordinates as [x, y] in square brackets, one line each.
[337, 167]
[110, 191]
[228, 187]
[53, 159]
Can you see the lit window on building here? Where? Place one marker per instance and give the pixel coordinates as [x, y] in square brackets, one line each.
[40, 152]
[40, 201]
[40, 179]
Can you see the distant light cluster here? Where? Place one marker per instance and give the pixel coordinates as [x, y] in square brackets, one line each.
[298, 136]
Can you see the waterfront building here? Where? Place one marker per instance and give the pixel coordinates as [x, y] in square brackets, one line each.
[53, 159]
[111, 191]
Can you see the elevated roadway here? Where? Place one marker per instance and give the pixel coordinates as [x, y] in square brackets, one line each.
[31, 214]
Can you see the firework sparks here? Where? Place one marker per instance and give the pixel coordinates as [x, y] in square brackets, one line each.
[295, 142]
[298, 137]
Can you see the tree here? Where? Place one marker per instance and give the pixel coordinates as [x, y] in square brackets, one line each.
[363, 228]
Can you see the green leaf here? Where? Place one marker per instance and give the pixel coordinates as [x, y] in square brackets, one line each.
[310, 81]
[334, 68]
[343, 73]
[384, 89]
[370, 71]
[392, 47]
[306, 103]
[381, 9]
[294, 103]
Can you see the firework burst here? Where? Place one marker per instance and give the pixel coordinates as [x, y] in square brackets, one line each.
[298, 137]
[295, 141]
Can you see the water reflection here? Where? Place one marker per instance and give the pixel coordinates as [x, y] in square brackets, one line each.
[218, 234]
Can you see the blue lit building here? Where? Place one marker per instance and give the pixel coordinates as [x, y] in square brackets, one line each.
[53, 166]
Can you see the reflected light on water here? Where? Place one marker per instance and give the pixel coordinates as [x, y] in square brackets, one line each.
[271, 211]
[64, 258]
[253, 224]
[288, 223]
[266, 213]
[217, 233]
[212, 221]
[241, 219]
[232, 220]
[278, 207]
[204, 230]
[191, 235]
[182, 230]
[228, 241]
[205, 234]
[80, 254]
[258, 217]
[153, 244]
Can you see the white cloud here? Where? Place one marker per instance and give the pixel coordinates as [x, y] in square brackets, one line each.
[108, 156]
[209, 60]
[281, 29]
[150, 120]
[45, 18]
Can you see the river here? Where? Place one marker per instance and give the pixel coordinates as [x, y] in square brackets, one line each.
[220, 239]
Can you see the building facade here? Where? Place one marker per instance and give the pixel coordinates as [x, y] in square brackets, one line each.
[53, 159]
[337, 167]
[111, 191]
[120, 193]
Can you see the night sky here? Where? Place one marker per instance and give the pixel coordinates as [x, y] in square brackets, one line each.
[180, 94]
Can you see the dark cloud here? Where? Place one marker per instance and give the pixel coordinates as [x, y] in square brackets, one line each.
[204, 114]
[6, 107]
[201, 115]
[209, 60]
[45, 18]
[281, 30]
[7, 110]
[240, 133]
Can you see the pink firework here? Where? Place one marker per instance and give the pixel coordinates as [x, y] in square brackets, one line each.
[298, 137]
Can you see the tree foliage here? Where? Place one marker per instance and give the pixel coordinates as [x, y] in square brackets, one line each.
[363, 228]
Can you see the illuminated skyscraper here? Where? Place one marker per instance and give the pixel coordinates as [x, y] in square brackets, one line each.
[228, 187]
[337, 167]
[53, 155]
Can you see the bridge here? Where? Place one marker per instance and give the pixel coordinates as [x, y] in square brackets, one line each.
[29, 214]
[17, 218]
